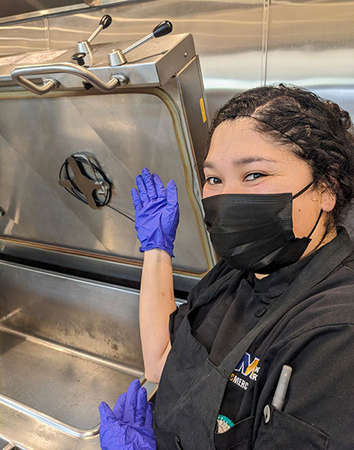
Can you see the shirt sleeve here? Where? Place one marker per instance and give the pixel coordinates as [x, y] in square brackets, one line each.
[319, 408]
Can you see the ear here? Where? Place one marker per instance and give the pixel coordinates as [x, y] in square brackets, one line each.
[328, 199]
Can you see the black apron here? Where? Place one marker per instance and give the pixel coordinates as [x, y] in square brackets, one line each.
[192, 388]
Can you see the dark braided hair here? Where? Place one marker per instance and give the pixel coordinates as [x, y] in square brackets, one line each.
[317, 127]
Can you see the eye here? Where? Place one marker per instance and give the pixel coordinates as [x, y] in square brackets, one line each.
[253, 176]
[212, 180]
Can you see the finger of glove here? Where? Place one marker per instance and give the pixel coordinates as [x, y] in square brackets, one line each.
[142, 189]
[106, 414]
[149, 183]
[148, 416]
[171, 193]
[130, 402]
[119, 406]
[160, 188]
[136, 200]
[141, 407]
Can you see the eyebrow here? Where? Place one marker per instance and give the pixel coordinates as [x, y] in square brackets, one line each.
[241, 162]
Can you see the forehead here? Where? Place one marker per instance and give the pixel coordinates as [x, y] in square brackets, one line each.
[239, 139]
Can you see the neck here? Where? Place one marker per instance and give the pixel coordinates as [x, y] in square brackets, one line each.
[326, 233]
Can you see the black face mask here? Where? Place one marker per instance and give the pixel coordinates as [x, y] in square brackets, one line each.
[255, 231]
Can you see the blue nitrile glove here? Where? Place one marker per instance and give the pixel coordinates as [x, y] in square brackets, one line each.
[129, 425]
[156, 212]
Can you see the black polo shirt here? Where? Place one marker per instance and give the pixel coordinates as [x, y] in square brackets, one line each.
[318, 343]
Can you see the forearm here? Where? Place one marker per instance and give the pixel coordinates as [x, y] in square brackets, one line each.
[156, 304]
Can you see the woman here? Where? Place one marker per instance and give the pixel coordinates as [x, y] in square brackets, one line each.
[278, 179]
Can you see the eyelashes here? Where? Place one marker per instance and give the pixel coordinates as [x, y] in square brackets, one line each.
[212, 180]
[253, 176]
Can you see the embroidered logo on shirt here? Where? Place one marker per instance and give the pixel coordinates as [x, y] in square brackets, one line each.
[224, 424]
[249, 367]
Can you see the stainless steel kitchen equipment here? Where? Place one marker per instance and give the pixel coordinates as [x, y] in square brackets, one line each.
[77, 128]
[241, 45]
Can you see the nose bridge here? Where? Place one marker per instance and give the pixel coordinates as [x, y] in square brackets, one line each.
[233, 186]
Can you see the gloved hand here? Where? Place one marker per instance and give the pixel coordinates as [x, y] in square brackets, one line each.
[156, 212]
[129, 425]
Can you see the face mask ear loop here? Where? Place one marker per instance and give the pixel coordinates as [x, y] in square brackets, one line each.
[313, 229]
[302, 190]
[320, 215]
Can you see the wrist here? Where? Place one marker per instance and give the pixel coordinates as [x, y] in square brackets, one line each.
[157, 252]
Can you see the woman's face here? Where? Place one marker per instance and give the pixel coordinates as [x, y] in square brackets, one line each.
[243, 161]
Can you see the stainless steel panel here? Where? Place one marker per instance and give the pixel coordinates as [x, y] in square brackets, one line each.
[126, 132]
[96, 318]
[65, 387]
[311, 43]
[24, 37]
[16, 7]
[241, 45]
[20, 10]
[31, 434]
[65, 345]
[112, 271]
[228, 37]
[193, 103]
[150, 65]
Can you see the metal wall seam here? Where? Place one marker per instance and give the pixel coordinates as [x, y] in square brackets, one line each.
[265, 39]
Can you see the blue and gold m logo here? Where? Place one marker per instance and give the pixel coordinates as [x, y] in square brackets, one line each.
[247, 367]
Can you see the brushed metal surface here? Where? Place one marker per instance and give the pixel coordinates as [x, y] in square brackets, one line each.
[310, 43]
[151, 65]
[20, 10]
[180, 99]
[115, 271]
[65, 345]
[17, 7]
[24, 37]
[192, 94]
[241, 45]
[228, 36]
[96, 318]
[66, 388]
[126, 132]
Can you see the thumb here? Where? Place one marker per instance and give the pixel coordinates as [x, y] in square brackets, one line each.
[141, 405]
[136, 200]
[171, 193]
[106, 414]
[148, 416]
[119, 407]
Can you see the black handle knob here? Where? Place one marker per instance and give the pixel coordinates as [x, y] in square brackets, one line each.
[79, 58]
[105, 21]
[162, 28]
